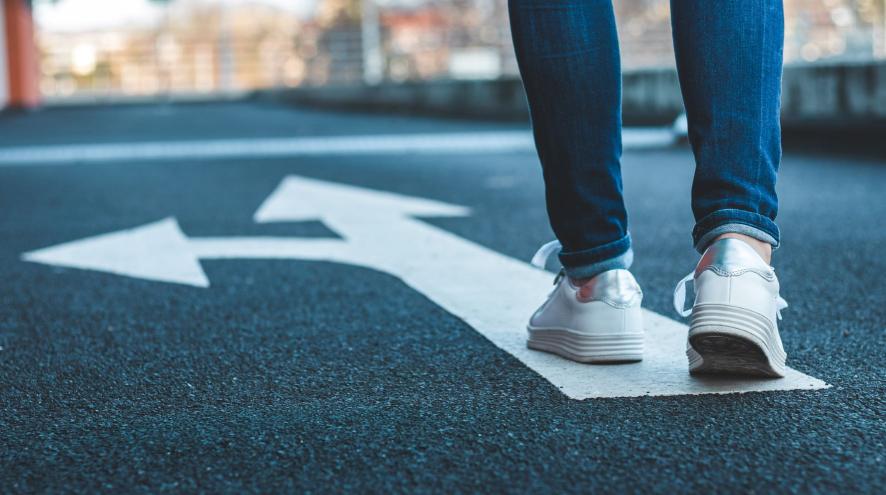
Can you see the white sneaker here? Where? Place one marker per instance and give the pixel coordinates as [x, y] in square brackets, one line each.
[600, 322]
[733, 325]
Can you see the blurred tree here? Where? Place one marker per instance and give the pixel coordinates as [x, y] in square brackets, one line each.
[338, 11]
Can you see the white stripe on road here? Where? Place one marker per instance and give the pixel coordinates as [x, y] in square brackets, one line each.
[435, 143]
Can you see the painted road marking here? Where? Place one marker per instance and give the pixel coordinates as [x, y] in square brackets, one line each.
[437, 143]
[492, 293]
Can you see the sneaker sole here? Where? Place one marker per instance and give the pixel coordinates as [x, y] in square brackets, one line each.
[575, 346]
[732, 340]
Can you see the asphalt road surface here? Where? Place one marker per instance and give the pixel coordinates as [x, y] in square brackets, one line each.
[297, 375]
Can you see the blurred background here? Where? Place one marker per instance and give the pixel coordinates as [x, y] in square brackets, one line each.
[100, 48]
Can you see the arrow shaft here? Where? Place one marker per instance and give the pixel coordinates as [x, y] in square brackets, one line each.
[495, 295]
[270, 248]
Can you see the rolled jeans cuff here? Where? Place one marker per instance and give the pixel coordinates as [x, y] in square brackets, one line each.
[591, 262]
[732, 221]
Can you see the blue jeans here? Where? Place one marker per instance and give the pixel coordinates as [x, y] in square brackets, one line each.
[729, 58]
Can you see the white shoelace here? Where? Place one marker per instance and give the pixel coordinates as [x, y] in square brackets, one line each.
[544, 253]
[680, 298]
[540, 259]
[680, 295]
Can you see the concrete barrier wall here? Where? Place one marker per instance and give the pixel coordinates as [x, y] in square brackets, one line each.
[498, 99]
[813, 95]
[842, 94]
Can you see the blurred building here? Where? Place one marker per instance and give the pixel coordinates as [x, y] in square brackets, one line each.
[465, 39]
[815, 31]
[197, 47]
[834, 30]
[644, 31]
[415, 43]
[450, 38]
[205, 46]
[331, 43]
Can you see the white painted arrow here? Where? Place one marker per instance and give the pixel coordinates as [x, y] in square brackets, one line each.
[160, 252]
[492, 293]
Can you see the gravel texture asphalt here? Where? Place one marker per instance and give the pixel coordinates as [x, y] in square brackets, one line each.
[316, 377]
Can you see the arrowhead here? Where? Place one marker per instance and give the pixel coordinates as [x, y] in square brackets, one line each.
[157, 251]
[299, 198]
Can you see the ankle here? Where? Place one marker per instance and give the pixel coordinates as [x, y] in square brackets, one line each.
[764, 249]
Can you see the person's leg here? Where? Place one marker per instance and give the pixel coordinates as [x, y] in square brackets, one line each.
[568, 57]
[729, 56]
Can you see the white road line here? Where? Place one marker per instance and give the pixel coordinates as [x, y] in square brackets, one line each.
[492, 293]
[436, 143]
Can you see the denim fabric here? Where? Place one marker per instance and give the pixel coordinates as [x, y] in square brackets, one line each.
[729, 57]
[590, 270]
